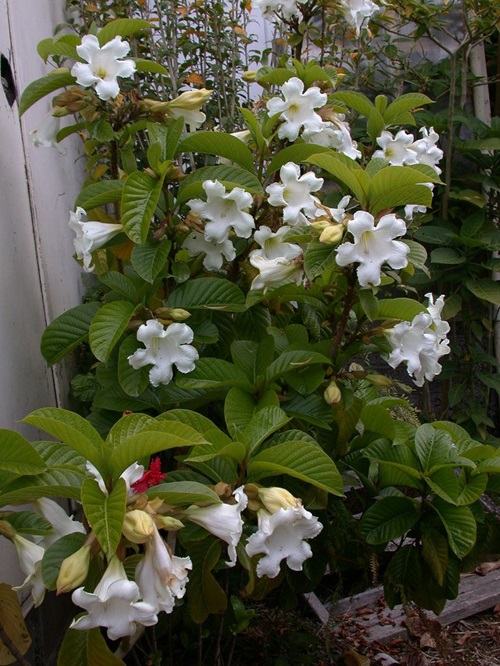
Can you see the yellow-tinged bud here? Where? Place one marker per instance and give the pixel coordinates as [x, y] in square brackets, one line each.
[190, 100]
[275, 498]
[380, 380]
[320, 224]
[249, 76]
[74, 570]
[332, 393]
[6, 529]
[138, 526]
[332, 234]
[168, 523]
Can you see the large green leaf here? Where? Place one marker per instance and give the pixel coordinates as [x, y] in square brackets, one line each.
[342, 168]
[459, 524]
[108, 326]
[388, 519]
[72, 429]
[218, 143]
[56, 553]
[123, 27]
[300, 459]
[133, 382]
[397, 110]
[184, 493]
[205, 595]
[403, 576]
[157, 436]
[240, 407]
[485, 289]
[293, 360]
[64, 45]
[356, 101]
[59, 78]
[397, 186]
[120, 283]
[213, 373]
[86, 648]
[444, 483]
[208, 293]
[264, 423]
[149, 259]
[67, 331]
[435, 552]
[318, 258]
[297, 153]
[435, 449]
[105, 513]
[100, 194]
[404, 309]
[143, 65]
[28, 522]
[139, 200]
[18, 456]
[398, 465]
[229, 176]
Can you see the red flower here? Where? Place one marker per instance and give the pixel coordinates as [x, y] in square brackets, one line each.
[152, 477]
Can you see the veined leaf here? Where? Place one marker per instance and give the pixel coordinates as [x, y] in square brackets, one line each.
[388, 519]
[59, 78]
[297, 153]
[397, 186]
[300, 459]
[143, 65]
[402, 105]
[213, 373]
[107, 327]
[67, 331]
[100, 194]
[208, 293]
[229, 176]
[356, 101]
[18, 456]
[149, 259]
[133, 382]
[265, 422]
[292, 360]
[218, 143]
[28, 522]
[485, 289]
[86, 648]
[317, 259]
[184, 493]
[459, 524]
[56, 553]
[206, 596]
[105, 514]
[342, 168]
[123, 27]
[64, 45]
[140, 197]
[120, 283]
[404, 309]
[435, 552]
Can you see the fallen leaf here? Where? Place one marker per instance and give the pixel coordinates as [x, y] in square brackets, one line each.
[353, 658]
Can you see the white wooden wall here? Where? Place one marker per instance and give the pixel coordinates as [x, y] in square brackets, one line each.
[39, 279]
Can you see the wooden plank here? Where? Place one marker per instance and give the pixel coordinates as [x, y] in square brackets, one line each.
[369, 614]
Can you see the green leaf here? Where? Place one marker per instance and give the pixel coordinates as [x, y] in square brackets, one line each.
[271, 76]
[105, 514]
[184, 493]
[67, 331]
[56, 553]
[404, 309]
[265, 422]
[208, 293]
[133, 382]
[435, 552]
[218, 143]
[388, 519]
[72, 429]
[485, 289]
[229, 176]
[403, 575]
[317, 259]
[342, 168]
[28, 522]
[59, 78]
[300, 459]
[369, 303]
[444, 483]
[398, 186]
[397, 110]
[447, 256]
[311, 409]
[356, 101]
[140, 197]
[100, 194]
[471, 491]
[64, 45]
[213, 373]
[123, 27]
[108, 326]
[459, 524]
[17, 455]
[206, 596]
[293, 360]
[297, 153]
[86, 648]
[143, 65]
[120, 283]
[149, 259]
[240, 407]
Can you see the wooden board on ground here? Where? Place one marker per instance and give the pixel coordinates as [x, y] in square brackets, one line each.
[369, 614]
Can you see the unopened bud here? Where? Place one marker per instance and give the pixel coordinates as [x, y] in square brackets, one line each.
[74, 570]
[249, 76]
[138, 526]
[320, 224]
[6, 529]
[168, 523]
[381, 381]
[332, 235]
[191, 100]
[275, 498]
[332, 393]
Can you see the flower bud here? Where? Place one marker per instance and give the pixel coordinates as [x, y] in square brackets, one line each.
[380, 381]
[332, 234]
[168, 523]
[320, 224]
[74, 570]
[277, 498]
[138, 526]
[332, 393]
[191, 100]
[6, 529]
[249, 76]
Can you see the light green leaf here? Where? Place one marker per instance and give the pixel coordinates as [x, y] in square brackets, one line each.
[388, 519]
[28, 522]
[71, 428]
[123, 27]
[265, 422]
[447, 255]
[403, 104]
[149, 259]
[356, 101]
[293, 360]
[240, 407]
[67, 331]
[218, 143]
[64, 45]
[404, 309]
[317, 259]
[300, 459]
[184, 493]
[213, 373]
[342, 168]
[230, 176]
[100, 194]
[144, 65]
[120, 283]
[140, 197]
[444, 483]
[56, 553]
[398, 186]
[18, 456]
[105, 514]
[459, 524]
[297, 153]
[208, 293]
[471, 491]
[59, 78]
[108, 326]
